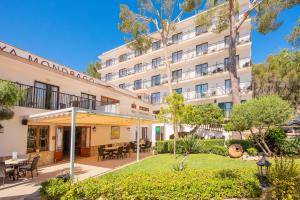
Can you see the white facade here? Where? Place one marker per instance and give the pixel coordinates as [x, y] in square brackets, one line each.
[198, 67]
[50, 86]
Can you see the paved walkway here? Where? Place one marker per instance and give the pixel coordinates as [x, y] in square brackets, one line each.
[27, 188]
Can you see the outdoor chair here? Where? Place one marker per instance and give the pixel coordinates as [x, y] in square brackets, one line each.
[133, 146]
[126, 150]
[30, 167]
[102, 153]
[149, 145]
[119, 153]
[6, 172]
[109, 145]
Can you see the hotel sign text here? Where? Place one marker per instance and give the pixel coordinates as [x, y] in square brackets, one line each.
[33, 58]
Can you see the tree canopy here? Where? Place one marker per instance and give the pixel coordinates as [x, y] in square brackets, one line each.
[258, 116]
[294, 37]
[93, 68]
[279, 75]
[10, 94]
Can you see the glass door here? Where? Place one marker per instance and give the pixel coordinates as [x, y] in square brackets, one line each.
[58, 154]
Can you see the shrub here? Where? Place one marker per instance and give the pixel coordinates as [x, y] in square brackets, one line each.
[252, 151]
[290, 147]
[274, 138]
[285, 179]
[189, 184]
[203, 146]
[54, 189]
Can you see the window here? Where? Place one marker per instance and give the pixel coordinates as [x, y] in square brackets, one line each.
[201, 90]
[227, 40]
[156, 45]
[137, 84]
[227, 61]
[155, 98]
[177, 37]
[200, 30]
[133, 106]
[46, 96]
[123, 57]
[122, 72]
[155, 80]
[108, 76]
[226, 107]
[176, 56]
[156, 62]
[88, 101]
[108, 100]
[138, 68]
[122, 86]
[178, 90]
[108, 62]
[37, 138]
[144, 108]
[177, 75]
[202, 69]
[144, 133]
[227, 86]
[137, 53]
[202, 49]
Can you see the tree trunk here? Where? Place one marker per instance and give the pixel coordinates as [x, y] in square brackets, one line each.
[232, 68]
[257, 142]
[167, 63]
[175, 138]
[266, 147]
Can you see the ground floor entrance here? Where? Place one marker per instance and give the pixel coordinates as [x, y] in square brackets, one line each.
[63, 142]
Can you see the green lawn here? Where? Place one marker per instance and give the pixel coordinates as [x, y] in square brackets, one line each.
[165, 162]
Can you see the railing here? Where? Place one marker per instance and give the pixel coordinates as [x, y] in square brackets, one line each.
[186, 55]
[53, 100]
[188, 34]
[245, 88]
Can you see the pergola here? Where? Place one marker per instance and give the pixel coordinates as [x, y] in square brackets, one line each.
[81, 116]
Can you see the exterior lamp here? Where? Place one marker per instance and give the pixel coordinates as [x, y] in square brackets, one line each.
[263, 169]
[94, 129]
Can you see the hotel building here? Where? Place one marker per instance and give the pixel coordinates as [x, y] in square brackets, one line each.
[108, 114]
[198, 58]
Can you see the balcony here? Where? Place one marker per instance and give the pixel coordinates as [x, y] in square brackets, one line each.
[211, 70]
[40, 98]
[189, 34]
[186, 55]
[245, 88]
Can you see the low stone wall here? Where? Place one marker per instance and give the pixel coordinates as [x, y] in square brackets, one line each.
[46, 157]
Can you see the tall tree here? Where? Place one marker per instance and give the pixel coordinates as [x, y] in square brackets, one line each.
[163, 16]
[279, 75]
[93, 68]
[221, 16]
[294, 37]
[173, 113]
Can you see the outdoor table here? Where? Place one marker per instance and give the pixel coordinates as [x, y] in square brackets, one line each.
[110, 150]
[16, 163]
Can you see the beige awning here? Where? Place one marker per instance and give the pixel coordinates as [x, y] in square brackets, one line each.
[84, 116]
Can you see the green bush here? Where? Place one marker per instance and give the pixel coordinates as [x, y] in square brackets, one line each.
[188, 184]
[252, 151]
[285, 179]
[203, 146]
[54, 189]
[290, 147]
[275, 138]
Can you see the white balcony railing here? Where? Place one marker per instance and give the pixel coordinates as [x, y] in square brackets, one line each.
[186, 55]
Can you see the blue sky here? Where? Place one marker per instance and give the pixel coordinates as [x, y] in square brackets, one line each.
[75, 32]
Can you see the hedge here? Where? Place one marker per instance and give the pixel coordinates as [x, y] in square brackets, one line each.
[188, 184]
[215, 146]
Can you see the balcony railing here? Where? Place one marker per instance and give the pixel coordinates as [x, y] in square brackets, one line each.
[245, 88]
[40, 98]
[186, 55]
[188, 34]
